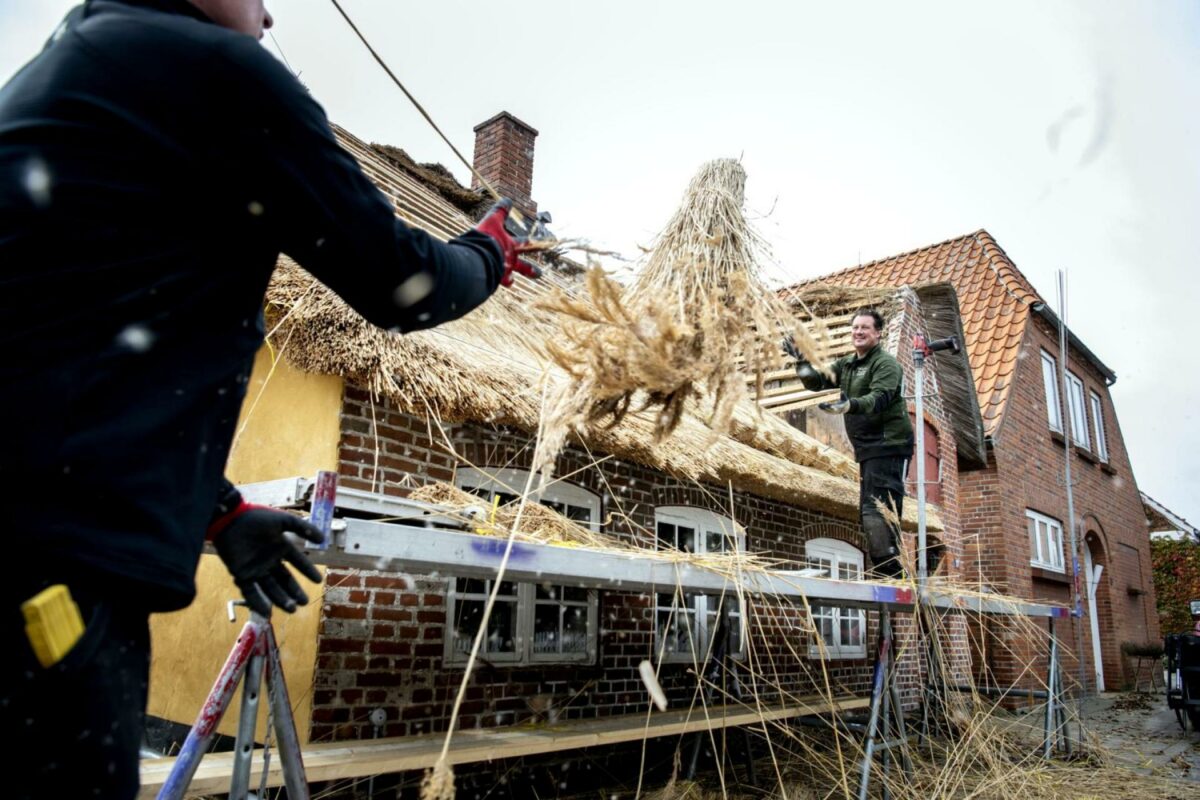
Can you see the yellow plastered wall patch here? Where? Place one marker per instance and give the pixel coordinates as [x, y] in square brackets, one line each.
[290, 428]
[190, 647]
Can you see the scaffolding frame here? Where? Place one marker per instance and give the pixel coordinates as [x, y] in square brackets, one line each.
[421, 542]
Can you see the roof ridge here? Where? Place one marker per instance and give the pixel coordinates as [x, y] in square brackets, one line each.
[865, 265]
[993, 251]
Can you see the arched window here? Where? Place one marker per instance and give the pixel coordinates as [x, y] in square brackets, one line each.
[933, 465]
[842, 631]
[687, 624]
[572, 501]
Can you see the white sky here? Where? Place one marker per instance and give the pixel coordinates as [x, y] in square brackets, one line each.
[1068, 130]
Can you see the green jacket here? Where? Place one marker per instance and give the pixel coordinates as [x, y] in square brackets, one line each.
[877, 422]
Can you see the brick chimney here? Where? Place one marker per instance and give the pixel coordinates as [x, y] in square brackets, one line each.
[504, 156]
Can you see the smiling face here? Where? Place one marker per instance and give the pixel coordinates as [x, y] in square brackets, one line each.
[244, 16]
[863, 333]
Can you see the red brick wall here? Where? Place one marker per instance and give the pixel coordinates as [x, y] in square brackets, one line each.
[947, 499]
[504, 156]
[383, 634]
[1025, 471]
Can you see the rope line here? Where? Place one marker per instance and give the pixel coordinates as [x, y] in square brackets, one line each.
[413, 100]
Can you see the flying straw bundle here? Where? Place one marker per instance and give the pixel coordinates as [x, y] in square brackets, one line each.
[696, 321]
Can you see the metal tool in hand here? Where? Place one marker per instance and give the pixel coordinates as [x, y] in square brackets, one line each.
[526, 231]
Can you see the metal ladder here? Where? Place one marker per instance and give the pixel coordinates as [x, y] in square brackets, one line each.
[885, 727]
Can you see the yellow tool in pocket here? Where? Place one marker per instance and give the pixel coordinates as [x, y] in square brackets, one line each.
[52, 623]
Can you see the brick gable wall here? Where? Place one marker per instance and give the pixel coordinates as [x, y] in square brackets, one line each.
[1025, 471]
[382, 637]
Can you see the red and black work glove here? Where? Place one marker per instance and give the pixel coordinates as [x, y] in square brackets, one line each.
[250, 540]
[493, 225]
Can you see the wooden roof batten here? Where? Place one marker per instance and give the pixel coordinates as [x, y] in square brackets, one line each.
[937, 308]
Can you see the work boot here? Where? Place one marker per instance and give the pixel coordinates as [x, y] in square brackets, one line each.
[881, 544]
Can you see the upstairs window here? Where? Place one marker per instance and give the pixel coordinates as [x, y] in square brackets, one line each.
[1050, 381]
[1079, 425]
[1045, 541]
[933, 465]
[574, 502]
[1098, 426]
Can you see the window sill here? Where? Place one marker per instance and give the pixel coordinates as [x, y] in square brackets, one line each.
[1084, 453]
[837, 655]
[688, 660]
[1107, 468]
[1049, 575]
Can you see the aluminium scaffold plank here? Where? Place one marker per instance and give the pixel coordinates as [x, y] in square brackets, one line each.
[398, 547]
[330, 761]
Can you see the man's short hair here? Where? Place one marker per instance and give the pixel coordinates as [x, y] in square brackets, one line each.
[875, 316]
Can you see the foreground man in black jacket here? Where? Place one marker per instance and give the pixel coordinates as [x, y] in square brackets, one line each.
[154, 161]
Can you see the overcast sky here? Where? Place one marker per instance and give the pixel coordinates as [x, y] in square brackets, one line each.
[1067, 129]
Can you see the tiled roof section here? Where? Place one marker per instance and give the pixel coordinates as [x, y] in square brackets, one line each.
[993, 295]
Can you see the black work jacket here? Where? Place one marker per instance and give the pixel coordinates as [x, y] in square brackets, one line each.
[152, 167]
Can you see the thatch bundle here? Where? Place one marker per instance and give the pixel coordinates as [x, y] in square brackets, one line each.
[538, 523]
[696, 320]
[828, 299]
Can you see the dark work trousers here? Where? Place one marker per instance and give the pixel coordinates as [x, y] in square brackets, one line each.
[881, 479]
[74, 729]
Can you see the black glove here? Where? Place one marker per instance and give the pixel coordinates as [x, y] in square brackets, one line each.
[250, 540]
[839, 406]
[809, 376]
[789, 347]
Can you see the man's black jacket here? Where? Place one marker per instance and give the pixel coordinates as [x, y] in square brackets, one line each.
[152, 167]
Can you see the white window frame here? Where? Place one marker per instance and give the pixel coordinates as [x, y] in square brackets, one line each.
[700, 609]
[1045, 541]
[1078, 410]
[1098, 426]
[845, 562]
[523, 653]
[510, 481]
[1050, 381]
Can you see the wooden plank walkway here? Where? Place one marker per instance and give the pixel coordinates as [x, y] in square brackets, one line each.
[331, 761]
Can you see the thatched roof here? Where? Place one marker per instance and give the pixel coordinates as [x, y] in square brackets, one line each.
[492, 367]
[939, 305]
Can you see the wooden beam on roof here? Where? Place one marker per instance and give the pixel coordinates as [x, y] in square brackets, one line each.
[331, 761]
